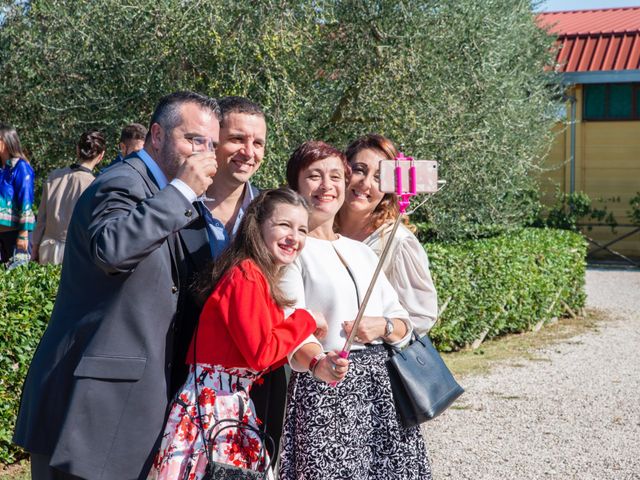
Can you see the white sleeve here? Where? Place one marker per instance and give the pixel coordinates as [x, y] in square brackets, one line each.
[411, 278]
[185, 190]
[292, 286]
[392, 308]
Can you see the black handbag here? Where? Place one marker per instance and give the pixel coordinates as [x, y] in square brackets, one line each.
[422, 385]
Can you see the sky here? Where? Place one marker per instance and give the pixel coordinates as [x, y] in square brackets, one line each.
[557, 5]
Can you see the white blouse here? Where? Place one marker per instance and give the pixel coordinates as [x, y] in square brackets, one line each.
[407, 268]
[319, 281]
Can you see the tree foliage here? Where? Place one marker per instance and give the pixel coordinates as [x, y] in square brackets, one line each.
[458, 81]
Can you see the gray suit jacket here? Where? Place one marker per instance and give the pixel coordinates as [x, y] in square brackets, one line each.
[96, 395]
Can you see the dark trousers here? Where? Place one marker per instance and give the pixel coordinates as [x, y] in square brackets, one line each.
[8, 242]
[269, 400]
[40, 469]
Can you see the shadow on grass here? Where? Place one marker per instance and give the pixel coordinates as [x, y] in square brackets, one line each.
[513, 349]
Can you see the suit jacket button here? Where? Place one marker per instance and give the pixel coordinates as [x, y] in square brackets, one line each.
[188, 212]
[174, 289]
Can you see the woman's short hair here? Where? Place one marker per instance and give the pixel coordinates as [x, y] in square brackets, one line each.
[307, 153]
[91, 144]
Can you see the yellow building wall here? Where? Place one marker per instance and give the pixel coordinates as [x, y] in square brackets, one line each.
[607, 160]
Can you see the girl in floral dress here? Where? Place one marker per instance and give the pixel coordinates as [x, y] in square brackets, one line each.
[242, 332]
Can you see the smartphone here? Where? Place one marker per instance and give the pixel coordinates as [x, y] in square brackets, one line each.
[426, 176]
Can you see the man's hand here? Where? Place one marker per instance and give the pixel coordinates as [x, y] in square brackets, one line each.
[197, 171]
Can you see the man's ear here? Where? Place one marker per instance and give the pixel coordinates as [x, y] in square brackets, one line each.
[157, 136]
[123, 149]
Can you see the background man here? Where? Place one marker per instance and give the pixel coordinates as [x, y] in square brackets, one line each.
[132, 139]
[95, 398]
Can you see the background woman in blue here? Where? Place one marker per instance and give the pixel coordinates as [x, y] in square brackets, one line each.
[16, 195]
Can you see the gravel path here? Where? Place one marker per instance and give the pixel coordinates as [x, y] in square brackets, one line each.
[575, 414]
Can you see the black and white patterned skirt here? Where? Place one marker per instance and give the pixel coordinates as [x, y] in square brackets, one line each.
[350, 432]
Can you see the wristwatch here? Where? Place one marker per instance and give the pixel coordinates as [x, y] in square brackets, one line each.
[388, 328]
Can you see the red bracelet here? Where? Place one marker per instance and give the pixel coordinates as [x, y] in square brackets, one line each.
[314, 361]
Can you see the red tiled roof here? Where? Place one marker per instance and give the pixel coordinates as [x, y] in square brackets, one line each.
[595, 40]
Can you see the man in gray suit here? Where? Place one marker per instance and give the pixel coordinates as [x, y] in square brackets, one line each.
[95, 399]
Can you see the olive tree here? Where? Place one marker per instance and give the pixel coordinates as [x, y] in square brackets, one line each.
[458, 81]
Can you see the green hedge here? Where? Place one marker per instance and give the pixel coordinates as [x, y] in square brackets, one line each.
[505, 284]
[27, 295]
[498, 285]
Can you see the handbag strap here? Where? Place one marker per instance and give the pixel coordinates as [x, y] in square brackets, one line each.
[234, 423]
[353, 278]
[237, 423]
[414, 338]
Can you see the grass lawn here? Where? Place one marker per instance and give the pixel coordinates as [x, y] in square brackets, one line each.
[509, 348]
[515, 347]
[17, 471]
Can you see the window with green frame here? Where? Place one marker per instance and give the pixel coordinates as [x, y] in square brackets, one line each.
[611, 101]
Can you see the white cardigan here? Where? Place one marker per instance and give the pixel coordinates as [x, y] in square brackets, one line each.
[319, 281]
[407, 268]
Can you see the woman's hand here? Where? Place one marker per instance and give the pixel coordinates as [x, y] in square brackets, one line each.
[369, 329]
[22, 242]
[332, 368]
[322, 327]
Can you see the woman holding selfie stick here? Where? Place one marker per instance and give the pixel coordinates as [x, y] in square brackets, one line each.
[349, 431]
[368, 216]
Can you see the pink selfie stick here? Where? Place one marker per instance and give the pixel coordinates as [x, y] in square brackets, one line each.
[403, 202]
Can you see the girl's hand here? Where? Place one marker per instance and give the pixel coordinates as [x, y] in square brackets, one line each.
[369, 329]
[322, 327]
[332, 368]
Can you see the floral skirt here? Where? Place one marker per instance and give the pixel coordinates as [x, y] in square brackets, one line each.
[350, 432]
[222, 393]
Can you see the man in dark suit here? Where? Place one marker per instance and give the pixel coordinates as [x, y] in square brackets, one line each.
[95, 399]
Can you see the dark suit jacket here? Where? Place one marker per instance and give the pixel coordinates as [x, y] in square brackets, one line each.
[96, 395]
